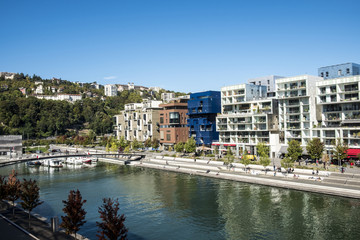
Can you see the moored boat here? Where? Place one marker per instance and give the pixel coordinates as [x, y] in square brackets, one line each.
[74, 161]
[55, 163]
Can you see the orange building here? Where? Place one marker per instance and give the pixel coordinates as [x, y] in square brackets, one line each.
[173, 120]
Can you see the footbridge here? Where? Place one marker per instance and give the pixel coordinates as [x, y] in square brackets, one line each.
[121, 157]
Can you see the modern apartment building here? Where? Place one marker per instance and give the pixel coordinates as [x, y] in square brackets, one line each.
[110, 90]
[297, 108]
[339, 70]
[173, 123]
[268, 81]
[203, 108]
[247, 118]
[139, 121]
[339, 112]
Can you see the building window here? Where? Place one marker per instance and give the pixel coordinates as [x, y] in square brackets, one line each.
[260, 83]
[322, 74]
[327, 74]
[252, 91]
[268, 81]
[348, 71]
[268, 88]
[339, 72]
[168, 137]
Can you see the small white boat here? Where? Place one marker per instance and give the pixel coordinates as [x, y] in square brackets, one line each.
[74, 161]
[55, 163]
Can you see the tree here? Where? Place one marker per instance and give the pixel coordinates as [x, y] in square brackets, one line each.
[30, 196]
[245, 159]
[75, 214]
[179, 147]
[13, 188]
[155, 143]
[315, 148]
[294, 151]
[3, 188]
[190, 145]
[229, 157]
[147, 143]
[340, 151]
[287, 162]
[112, 225]
[135, 145]
[263, 152]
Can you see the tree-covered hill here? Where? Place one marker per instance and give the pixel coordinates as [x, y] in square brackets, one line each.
[39, 118]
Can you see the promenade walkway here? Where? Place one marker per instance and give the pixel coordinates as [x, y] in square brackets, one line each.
[17, 226]
[346, 185]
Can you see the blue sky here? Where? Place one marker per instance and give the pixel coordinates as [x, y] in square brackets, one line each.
[180, 45]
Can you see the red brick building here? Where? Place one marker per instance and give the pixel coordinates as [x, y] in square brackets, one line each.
[173, 120]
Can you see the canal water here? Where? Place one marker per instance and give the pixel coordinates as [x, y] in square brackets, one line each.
[166, 205]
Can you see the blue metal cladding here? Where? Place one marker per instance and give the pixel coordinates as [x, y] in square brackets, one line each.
[339, 70]
[202, 110]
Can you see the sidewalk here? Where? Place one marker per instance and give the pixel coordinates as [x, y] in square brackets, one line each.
[39, 229]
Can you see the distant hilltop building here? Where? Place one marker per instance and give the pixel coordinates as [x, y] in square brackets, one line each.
[110, 90]
[166, 97]
[7, 75]
[61, 97]
[155, 89]
[130, 86]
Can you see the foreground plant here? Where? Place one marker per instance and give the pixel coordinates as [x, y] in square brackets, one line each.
[112, 226]
[13, 188]
[75, 214]
[30, 196]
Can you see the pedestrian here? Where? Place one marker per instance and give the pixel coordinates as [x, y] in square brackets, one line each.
[317, 171]
[313, 172]
[274, 167]
[274, 174]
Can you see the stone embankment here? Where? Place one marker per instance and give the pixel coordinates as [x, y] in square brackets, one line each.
[338, 184]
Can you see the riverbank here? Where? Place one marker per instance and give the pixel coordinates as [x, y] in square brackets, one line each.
[17, 226]
[330, 183]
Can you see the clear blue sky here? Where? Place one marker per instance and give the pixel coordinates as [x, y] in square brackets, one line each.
[181, 45]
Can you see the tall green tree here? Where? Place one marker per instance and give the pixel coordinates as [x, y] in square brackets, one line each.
[294, 150]
[190, 145]
[75, 214]
[30, 196]
[315, 148]
[340, 151]
[147, 143]
[263, 152]
[112, 225]
[179, 147]
[229, 157]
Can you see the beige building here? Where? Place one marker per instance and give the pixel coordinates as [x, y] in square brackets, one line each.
[10, 144]
[139, 121]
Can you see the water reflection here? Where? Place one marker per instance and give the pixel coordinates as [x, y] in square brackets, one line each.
[166, 205]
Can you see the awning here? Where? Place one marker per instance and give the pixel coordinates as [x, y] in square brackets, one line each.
[230, 145]
[353, 152]
[283, 149]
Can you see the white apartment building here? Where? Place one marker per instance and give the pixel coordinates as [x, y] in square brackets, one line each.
[110, 90]
[167, 97]
[247, 118]
[61, 97]
[297, 108]
[268, 81]
[139, 121]
[338, 111]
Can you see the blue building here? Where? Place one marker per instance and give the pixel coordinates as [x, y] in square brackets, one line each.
[339, 70]
[203, 108]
